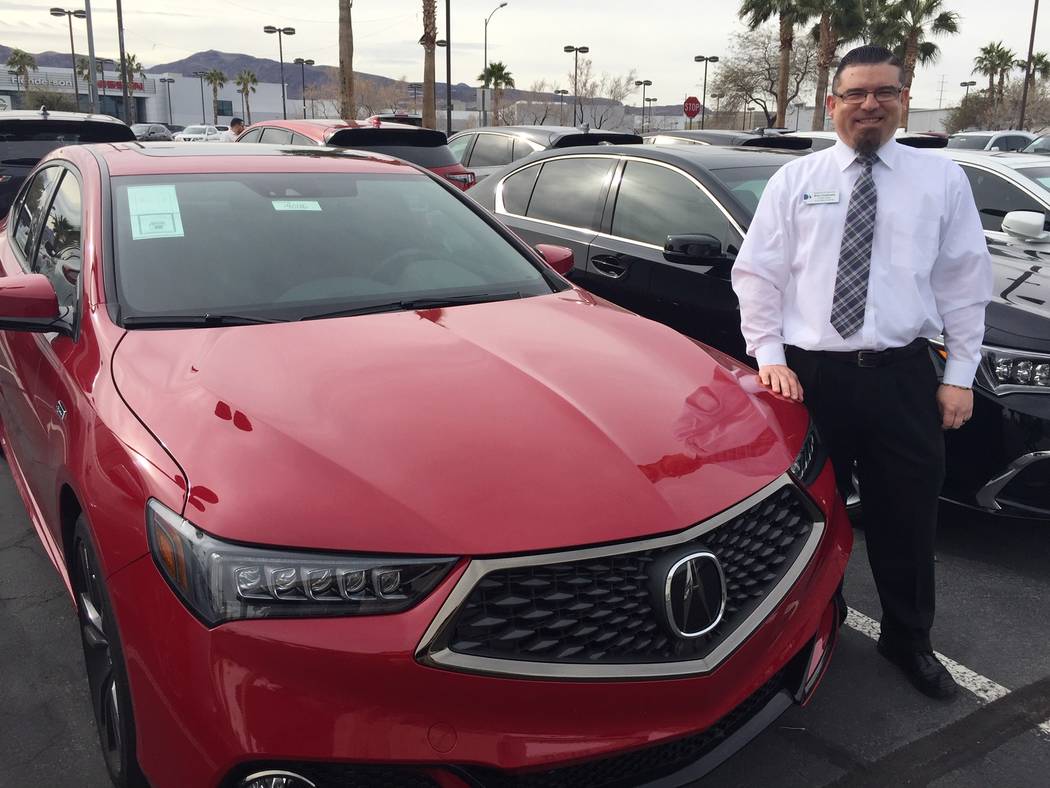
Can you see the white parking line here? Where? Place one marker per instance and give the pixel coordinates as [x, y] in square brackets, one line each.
[981, 686]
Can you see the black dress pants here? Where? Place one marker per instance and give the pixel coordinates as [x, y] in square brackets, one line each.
[886, 420]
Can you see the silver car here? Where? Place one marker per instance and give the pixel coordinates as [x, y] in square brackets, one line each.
[1005, 141]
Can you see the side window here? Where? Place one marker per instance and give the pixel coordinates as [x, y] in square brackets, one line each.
[572, 191]
[1014, 143]
[491, 150]
[459, 146]
[251, 136]
[276, 136]
[996, 197]
[521, 149]
[58, 256]
[517, 189]
[655, 202]
[30, 212]
[299, 139]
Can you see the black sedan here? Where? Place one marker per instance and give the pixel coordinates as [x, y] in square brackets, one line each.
[656, 229]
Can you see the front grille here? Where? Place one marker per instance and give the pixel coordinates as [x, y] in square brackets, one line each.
[337, 775]
[640, 766]
[603, 611]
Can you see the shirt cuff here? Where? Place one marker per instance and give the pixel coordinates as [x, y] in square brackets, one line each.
[770, 355]
[960, 373]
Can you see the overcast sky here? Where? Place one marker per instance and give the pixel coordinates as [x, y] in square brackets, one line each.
[658, 38]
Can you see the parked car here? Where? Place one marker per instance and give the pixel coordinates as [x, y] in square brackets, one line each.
[1005, 141]
[488, 149]
[425, 147]
[26, 137]
[147, 132]
[1040, 144]
[745, 139]
[656, 229]
[199, 133]
[173, 127]
[918, 139]
[309, 500]
[410, 119]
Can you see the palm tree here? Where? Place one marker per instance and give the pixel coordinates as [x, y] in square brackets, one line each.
[346, 59]
[989, 62]
[841, 21]
[499, 79]
[21, 62]
[129, 68]
[790, 14]
[1040, 67]
[246, 82]
[429, 42]
[216, 79]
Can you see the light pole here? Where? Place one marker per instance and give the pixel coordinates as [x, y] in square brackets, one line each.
[743, 123]
[415, 88]
[101, 66]
[79, 14]
[302, 70]
[650, 101]
[167, 82]
[798, 111]
[485, 68]
[967, 85]
[201, 75]
[1028, 65]
[561, 93]
[703, 101]
[643, 84]
[281, 31]
[718, 102]
[92, 83]
[576, 78]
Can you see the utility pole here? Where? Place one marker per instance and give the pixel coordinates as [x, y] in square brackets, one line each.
[1028, 65]
[93, 80]
[124, 75]
[940, 95]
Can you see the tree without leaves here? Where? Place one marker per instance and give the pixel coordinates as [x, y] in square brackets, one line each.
[346, 60]
[790, 14]
[216, 79]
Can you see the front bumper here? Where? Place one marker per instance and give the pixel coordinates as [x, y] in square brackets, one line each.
[349, 694]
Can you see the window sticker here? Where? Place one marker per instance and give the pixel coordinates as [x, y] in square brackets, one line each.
[296, 205]
[154, 212]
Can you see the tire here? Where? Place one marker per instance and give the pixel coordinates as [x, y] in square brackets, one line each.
[104, 663]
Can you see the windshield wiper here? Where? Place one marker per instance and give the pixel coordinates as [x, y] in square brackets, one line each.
[416, 303]
[191, 321]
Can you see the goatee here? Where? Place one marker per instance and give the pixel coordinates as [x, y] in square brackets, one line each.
[867, 143]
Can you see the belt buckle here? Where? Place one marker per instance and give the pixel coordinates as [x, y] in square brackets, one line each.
[867, 358]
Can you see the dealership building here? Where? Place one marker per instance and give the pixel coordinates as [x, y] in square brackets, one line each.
[182, 100]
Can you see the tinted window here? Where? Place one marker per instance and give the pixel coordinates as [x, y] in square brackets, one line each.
[521, 149]
[355, 239]
[459, 146]
[655, 202]
[25, 142]
[1040, 175]
[276, 136]
[572, 191]
[996, 197]
[423, 156]
[491, 150]
[196, 129]
[517, 190]
[1041, 145]
[746, 183]
[31, 210]
[299, 139]
[820, 143]
[1013, 143]
[250, 136]
[968, 142]
[58, 255]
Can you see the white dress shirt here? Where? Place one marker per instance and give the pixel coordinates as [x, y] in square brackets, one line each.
[930, 268]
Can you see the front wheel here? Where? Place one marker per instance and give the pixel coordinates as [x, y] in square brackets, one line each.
[104, 660]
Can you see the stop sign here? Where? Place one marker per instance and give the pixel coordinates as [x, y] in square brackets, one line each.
[691, 107]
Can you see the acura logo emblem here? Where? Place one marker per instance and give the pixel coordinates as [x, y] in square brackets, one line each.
[695, 594]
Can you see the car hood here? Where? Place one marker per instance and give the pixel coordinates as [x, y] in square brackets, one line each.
[1019, 315]
[504, 427]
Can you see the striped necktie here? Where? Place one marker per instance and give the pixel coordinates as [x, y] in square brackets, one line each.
[851, 282]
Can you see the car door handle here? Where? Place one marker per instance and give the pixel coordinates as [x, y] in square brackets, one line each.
[610, 265]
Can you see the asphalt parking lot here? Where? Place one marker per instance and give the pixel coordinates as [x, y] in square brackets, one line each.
[866, 726]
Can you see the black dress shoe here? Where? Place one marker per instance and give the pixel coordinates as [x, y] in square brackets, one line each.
[923, 669]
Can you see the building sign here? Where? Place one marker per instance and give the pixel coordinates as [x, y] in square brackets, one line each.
[114, 84]
[62, 81]
[51, 81]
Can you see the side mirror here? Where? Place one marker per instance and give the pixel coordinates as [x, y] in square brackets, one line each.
[557, 257]
[1026, 225]
[994, 148]
[698, 249]
[28, 303]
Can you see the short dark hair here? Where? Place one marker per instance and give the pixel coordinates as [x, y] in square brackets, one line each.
[235, 121]
[867, 55]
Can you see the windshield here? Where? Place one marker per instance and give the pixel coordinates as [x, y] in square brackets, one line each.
[967, 142]
[1041, 145]
[140, 127]
[1039, 175]
[747, 183]
[194, 130]
[292, 245]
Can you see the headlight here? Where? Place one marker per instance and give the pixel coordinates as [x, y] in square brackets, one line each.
[811, 458]
[220, 581]
[1005, 371]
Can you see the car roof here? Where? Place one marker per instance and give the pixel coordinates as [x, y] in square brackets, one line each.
[727, 137]
[985, 133]
[547, 135]
[710, 157]
[30, 115]
[316, 128]
[135, 158]
[1005, 160]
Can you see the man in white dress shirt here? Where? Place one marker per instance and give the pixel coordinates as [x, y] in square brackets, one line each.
[857, 254]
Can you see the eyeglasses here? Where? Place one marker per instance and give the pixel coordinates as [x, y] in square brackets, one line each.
[883, 95]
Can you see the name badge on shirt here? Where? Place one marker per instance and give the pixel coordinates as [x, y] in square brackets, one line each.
[820, 198]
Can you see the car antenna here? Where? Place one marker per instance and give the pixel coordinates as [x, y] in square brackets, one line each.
[43, 110]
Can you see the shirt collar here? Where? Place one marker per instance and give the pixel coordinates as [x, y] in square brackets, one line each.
[888, 154]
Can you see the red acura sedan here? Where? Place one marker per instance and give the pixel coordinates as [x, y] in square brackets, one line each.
[350, 487]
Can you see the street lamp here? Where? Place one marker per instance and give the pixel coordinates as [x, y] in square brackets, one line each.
[643, 83]
[967, 85]
[576, 78]
[302, 69]
[79, 14]
[743, 124]
[201, 75]
[650, 101]
[718, 102]
[485, 69]
[703, 101]
[167, 82]
[562, 92]
[798, 111]
[281, 31]
[1028, 65]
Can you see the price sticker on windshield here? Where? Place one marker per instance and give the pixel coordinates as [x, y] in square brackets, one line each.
[296, 205]
[154, 212]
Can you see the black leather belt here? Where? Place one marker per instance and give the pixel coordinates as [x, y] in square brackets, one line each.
[871, 358]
